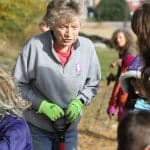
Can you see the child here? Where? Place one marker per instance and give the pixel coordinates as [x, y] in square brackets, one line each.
[14, 132]
[131, 83]
[43, 26]
[134, 131]
[123, 42]
[146, 82]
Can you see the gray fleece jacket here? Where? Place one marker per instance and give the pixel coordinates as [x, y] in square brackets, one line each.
[40, 76]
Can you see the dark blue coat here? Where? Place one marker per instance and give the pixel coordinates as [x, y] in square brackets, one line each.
[14, 134]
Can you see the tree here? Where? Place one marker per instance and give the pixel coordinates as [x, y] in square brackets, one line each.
[112, 10]
[19, 17]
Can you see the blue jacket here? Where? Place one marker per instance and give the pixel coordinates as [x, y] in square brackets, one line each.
[14, 134]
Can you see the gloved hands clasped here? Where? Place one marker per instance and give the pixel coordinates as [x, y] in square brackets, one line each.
[74, 109]
[52, 111]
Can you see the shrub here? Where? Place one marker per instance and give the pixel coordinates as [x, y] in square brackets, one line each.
[112, 10]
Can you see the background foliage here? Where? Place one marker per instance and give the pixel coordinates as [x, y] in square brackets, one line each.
[112, 10]
[19, 18]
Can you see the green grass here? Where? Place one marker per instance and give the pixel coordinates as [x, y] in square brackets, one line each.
[106, 56]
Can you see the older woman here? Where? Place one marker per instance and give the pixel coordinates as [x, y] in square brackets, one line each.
[59, 72]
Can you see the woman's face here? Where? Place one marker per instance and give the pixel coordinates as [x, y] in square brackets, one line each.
[121, 40]
[66, 33]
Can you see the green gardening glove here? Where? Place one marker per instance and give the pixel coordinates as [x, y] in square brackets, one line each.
[74, 109]
[52, 111]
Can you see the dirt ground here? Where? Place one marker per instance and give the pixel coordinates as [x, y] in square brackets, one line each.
[102, 29]
[96, 130]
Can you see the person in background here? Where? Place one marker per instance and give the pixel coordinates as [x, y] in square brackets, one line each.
[133, 131]
[134, 128]
[131, 83]
[123, 42]
[43, 26]
[59, 72]
[140, 24]
[14, 131]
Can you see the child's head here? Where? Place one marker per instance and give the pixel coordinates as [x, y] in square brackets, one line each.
[43, 26]
[146, 82]
[136, 84]
[134, 131]
[10, 99]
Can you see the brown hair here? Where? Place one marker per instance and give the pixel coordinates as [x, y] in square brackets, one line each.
[146, 82]
[140, 24]
[134, 131]
[43, 23]
[129, 40]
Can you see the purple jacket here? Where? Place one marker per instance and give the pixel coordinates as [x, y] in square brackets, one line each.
[14, 134]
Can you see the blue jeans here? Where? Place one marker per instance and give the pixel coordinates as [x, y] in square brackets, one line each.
[45, 140]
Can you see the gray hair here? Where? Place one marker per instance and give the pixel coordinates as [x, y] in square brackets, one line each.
[10, 99]
[59, 11]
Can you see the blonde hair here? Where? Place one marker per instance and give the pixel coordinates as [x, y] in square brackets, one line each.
[10, 99]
